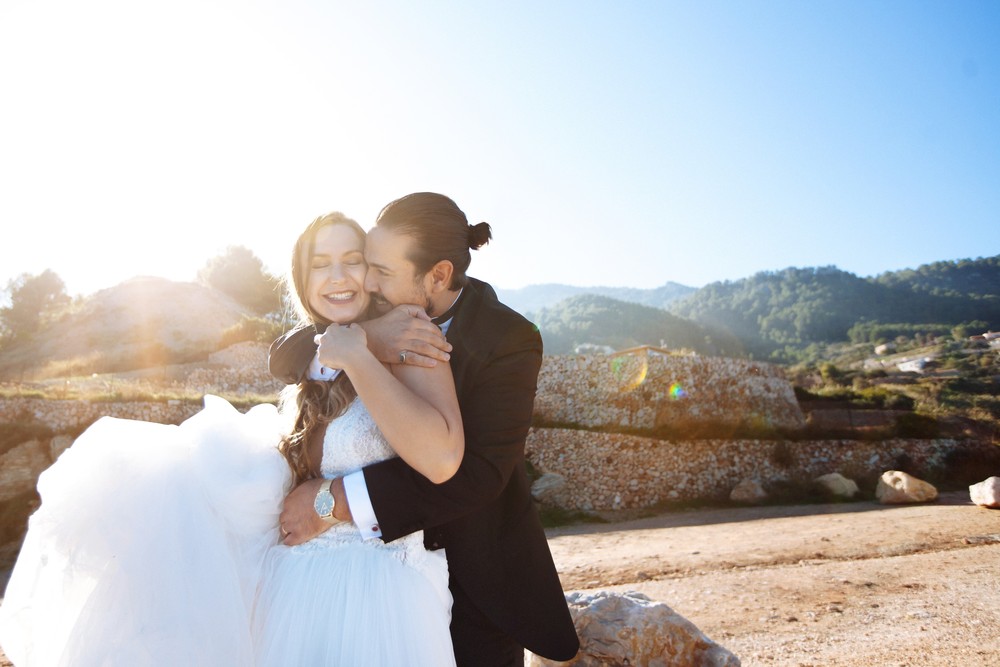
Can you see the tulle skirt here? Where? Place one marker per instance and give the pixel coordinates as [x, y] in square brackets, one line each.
[158, 545]
[392, 604]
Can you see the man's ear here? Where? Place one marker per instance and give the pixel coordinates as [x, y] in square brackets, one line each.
[440, 275]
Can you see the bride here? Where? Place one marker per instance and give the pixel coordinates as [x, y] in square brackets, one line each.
[160, 545]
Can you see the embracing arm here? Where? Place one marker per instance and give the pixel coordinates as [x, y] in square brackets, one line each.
[415, 408]
[497, 404]
[405, 328]
[289, 356]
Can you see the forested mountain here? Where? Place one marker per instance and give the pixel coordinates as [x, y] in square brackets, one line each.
[775, 314]
[601, 320]
[771, 311]
[974, 278]
[529, 300]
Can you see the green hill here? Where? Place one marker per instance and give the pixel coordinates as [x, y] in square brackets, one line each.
[529, 300]
[601, 320]
[775, 313]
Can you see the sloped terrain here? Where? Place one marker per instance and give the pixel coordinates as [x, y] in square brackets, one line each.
[140, 323]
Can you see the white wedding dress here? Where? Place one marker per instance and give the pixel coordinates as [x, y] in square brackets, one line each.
[393, 606]
[157, 545]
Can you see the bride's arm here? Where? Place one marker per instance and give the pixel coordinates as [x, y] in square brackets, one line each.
[416, 408]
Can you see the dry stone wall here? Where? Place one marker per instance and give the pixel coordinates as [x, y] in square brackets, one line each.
[603, 470]
[648, 389]
[74, 416]
[610, 471]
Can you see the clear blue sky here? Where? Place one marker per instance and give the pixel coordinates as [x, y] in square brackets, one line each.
[608, 143]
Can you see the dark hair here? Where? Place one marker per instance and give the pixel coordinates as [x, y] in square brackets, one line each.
[440, 231]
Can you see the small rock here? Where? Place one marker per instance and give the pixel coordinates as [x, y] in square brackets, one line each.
[748, 491]
[986, 493]
[838, 485]
[546, 485]
[896, 487]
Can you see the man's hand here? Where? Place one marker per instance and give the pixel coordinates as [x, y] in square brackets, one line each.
[299, 522]
[407, 330]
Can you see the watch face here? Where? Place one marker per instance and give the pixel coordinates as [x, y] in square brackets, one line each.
[324, 504]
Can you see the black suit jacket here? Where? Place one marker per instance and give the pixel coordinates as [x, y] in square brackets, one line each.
[484, 516]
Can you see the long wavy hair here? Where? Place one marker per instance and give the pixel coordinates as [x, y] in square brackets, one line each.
[316, 403]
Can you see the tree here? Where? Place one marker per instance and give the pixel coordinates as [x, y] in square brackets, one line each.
[238, 273]
[32, 299]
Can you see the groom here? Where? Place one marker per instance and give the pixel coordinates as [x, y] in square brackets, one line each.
[507, 595]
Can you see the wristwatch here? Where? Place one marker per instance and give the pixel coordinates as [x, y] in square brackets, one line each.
[325, 503]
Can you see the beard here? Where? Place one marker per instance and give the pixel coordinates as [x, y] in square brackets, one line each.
[380, 306]
[418, 297]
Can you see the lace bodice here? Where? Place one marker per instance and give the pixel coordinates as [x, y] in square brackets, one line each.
[353, 441]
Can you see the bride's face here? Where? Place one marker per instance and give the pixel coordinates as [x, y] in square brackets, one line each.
[335, 287]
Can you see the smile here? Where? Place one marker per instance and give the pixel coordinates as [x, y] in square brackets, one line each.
[339, 297]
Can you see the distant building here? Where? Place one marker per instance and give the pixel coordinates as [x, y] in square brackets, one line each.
[885, 348]
[593, 348]
[648, 350]
[913, 365]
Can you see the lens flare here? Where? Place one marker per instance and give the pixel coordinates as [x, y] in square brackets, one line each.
[676, 391]
[630, 372]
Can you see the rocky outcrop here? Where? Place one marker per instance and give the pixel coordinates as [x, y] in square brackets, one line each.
[647, 391]
[631, 629]
[986, 493]
[176, 321]
[896, 487]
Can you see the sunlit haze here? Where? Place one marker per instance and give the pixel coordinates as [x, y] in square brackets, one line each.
[608, 143]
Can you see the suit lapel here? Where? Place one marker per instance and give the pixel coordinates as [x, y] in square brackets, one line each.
[459, 332]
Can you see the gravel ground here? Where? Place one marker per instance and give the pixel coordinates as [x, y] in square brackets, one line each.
[851, 585]
[854, 584]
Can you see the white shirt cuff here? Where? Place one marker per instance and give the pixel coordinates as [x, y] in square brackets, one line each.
[318, 371]
[362, 511]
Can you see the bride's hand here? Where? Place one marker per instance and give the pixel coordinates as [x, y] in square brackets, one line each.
[341, 344]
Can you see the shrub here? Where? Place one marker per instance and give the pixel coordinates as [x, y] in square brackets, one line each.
[250, 329]
[913, 425]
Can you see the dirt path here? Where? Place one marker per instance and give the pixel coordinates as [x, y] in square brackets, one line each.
[857, 584]
[851, 585]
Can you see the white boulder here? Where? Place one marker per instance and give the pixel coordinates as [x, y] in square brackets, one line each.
[748, 491]
[838, 485]
[546, 485]
[631, 629]
[986, 492]
[896, 487]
